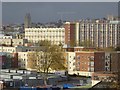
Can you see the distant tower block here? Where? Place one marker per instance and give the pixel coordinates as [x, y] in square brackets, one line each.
[27, 21]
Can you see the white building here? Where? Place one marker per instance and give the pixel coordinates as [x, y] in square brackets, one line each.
[22, 59]
[28, 60]
[55, 35]
[71, 62]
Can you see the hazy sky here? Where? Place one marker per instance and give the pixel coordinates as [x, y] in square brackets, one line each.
[14, 12]
[0, 13]
[60, 0]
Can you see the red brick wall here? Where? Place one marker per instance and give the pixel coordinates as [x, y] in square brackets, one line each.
[72, 33]
[99, 59]
[67, 29]
[2, 61]
[69, 33]
[15, 60]
[115, 62]
[84, 60]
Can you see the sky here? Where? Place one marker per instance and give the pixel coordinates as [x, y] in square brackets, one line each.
[0, 13]
[60, 0]
[14, 12]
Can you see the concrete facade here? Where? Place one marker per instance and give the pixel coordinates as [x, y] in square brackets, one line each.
[89, 33]
[55, 35]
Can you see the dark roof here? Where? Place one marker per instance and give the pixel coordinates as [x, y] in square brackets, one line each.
[103, 86]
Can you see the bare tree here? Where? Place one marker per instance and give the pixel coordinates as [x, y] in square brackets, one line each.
[51, 58]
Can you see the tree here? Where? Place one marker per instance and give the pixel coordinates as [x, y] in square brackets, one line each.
[72, 43]
[31, 63]
[51, 58]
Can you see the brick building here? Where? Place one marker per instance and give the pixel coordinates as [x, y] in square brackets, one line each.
[87, 61]
[111, 73]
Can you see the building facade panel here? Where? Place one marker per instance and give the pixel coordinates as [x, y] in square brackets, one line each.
[55, 35]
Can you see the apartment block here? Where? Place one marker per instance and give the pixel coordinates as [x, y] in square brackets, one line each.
[55, 35]
[85, 62]
[29, 60]
[89, 62]
[93, 33]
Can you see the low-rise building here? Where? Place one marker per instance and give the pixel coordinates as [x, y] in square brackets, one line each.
[13, 42]
[85, 62]
[27, 60]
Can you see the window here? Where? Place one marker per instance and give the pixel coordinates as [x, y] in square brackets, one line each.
[92, 69]
[78, 57]
[92, 58]
[20, 43]
[92, 63]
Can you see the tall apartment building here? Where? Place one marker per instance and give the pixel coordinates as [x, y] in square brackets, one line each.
[55, 35]
[98, 33]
